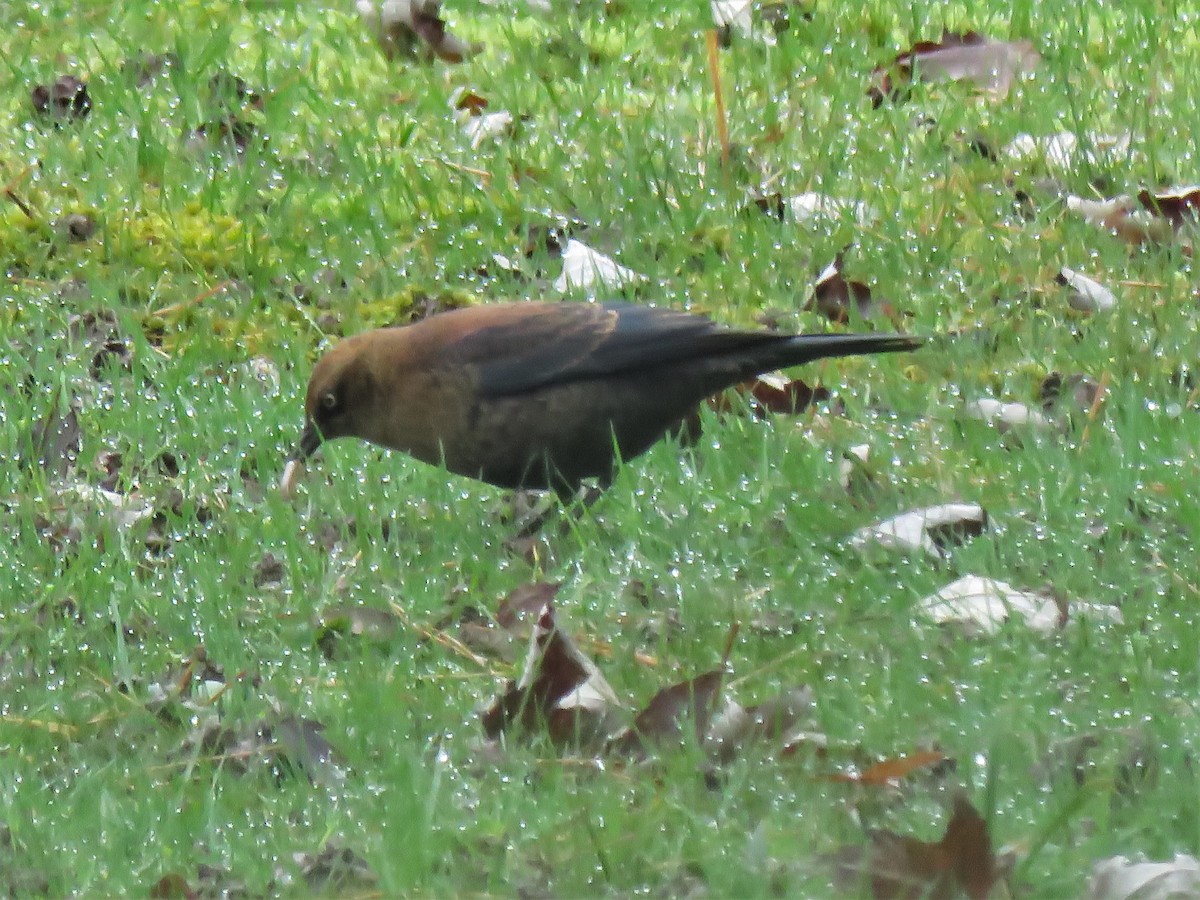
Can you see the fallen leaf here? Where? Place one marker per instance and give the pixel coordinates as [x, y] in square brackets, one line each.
[892, 770]
[840, 300]
[401, 26]
[1006, 416]
[772, 393]
[479, 128]
[56, 438]
[1118, 878]
[560, 691]
[367, 623]
[773, 720]
[336, 871]
[1078, 392]
[1179, 206]
[1127, 218]
[983, 605]
[1065, 149]
[990, 65]
[172, 886]
[663, 718]
[524, 603]
[65, 99]
[1087, 294]
[586, 269]
[898, 866]
[291, 743]
[930, 530]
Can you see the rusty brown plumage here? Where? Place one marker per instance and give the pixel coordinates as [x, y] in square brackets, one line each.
[543, 395]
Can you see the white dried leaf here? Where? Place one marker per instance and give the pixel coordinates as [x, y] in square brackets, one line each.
[125, 509]
[1062, 150]
[1006, 415]
[1100, 212]
[984, 604]
[400, 25]
[1087, 294]
[586, 269]
[808, 206]
[489, 125]
[909, 532]
[1117, 878]
[734, 14]
[293, 471]
[853, 458]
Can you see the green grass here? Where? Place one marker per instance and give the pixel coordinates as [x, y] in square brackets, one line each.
[367, 195]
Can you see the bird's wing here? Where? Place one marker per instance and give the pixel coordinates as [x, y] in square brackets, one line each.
[576, 341]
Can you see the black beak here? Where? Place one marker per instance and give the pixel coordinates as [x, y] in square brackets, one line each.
[310, 440]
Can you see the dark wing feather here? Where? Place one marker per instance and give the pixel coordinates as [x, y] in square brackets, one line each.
[577, 341]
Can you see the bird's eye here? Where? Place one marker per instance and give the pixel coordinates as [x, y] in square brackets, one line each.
[329, 401]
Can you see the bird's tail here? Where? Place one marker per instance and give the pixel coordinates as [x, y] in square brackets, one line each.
[802, 348]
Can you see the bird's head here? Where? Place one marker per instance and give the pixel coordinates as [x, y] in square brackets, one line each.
[342, 395]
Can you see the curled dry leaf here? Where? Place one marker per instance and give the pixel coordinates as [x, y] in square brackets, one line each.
[893, 865]
[1065, 149]
[585, 269]
[402, 26]
[750, 19]
[1077, 392]
[516, 615]
[65, 99]
[982, 606]
[560, 691]
[1149, 218]
[1087, 294]
[524, 604]
[479, 128]
[839, 299]
[1006, 416]
[773, 393]
[1117, 878]
[990, 65]
[808, 206]
[663, 718]
[774, 720]
[889, 771]
[930, 530]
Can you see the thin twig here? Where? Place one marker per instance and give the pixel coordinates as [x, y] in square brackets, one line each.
[438, 637]
[715, 73]
[729, 641]
[11, 193]
[467, 170]
[1101, 389]
[194, 301]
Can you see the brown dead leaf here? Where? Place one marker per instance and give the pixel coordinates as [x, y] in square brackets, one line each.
[560, 691]
[773, 720]
[841, 300]
[1134, 220]
[662, 719]
[524, 603]
[892, 770]
[991, 65]
[898, 866]
[1179, 206]
[404, 26]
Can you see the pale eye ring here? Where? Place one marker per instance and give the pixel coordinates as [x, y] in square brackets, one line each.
[329, 401]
